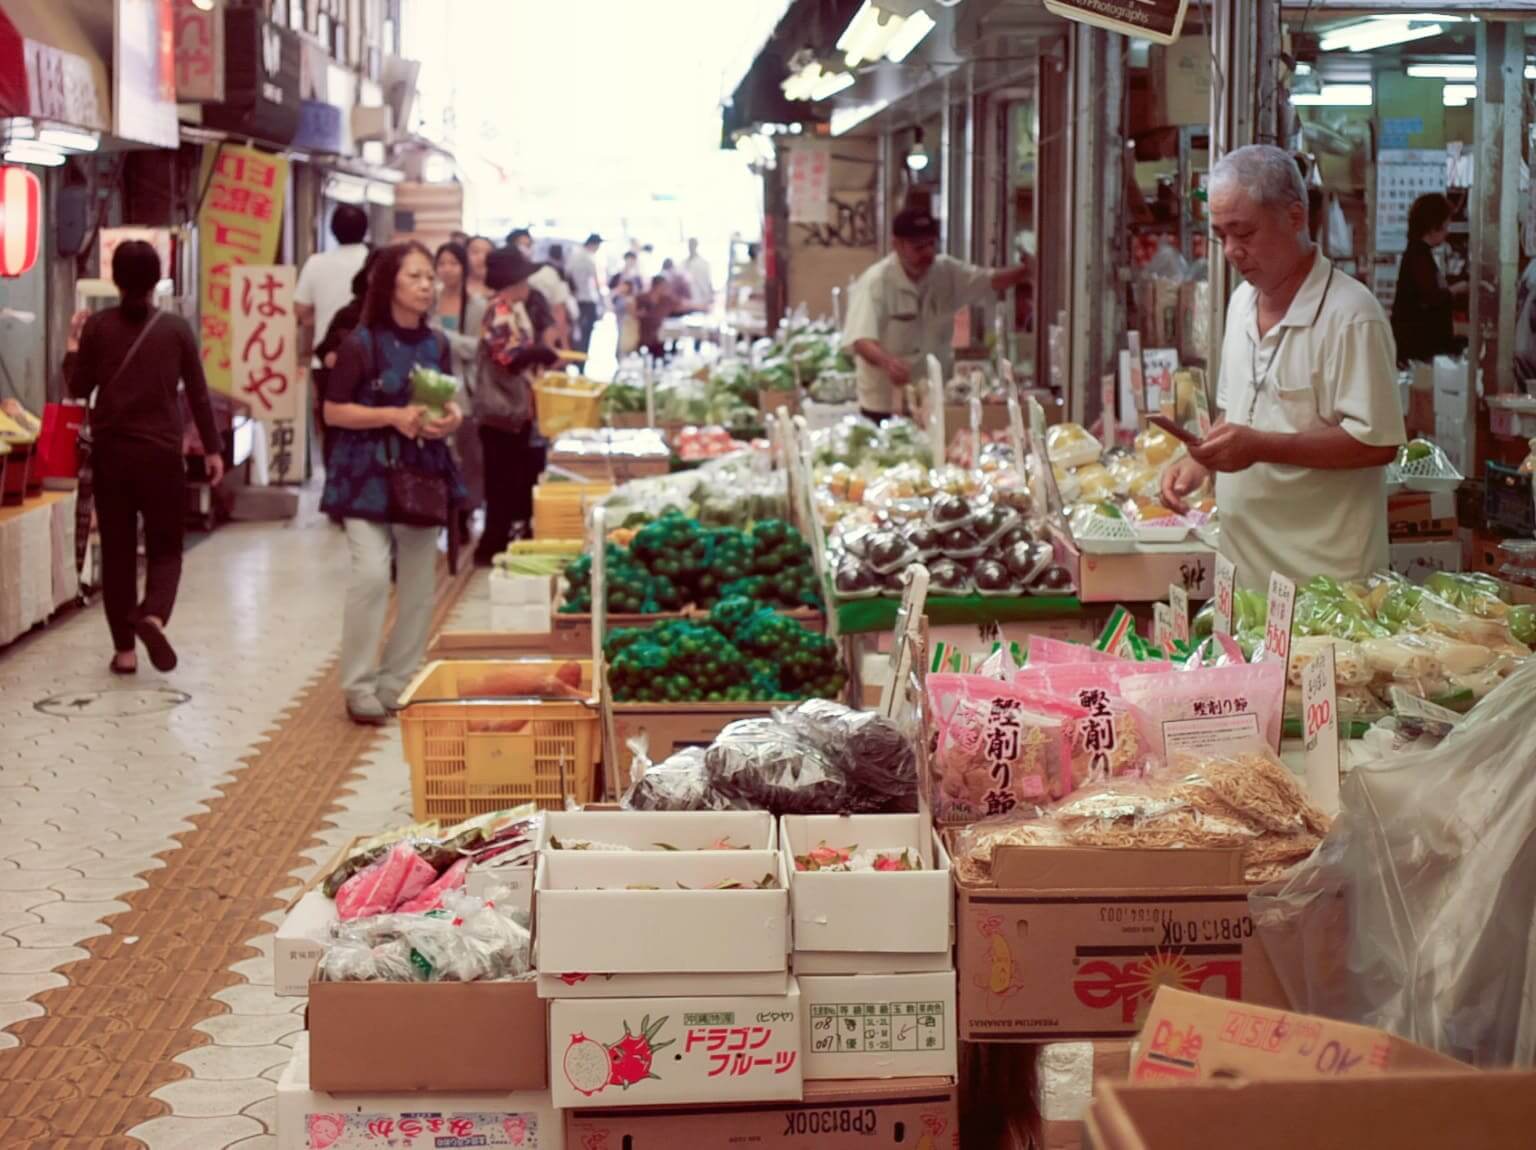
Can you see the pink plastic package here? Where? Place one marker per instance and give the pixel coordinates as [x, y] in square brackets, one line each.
[397, 878]
[1046, 650]
[1113, 737]
[432, 898]
[994, 752]
[1229, 703]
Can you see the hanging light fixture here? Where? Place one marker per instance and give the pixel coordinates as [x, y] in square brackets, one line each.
[21, 209]
[917, 155]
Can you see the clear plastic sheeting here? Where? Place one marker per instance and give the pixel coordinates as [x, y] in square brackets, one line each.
[1417, 914]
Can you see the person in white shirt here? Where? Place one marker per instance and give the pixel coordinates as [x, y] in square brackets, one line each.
[550, 284]
[589, 288]
[902, 310]
[325, 280]
[1308, 391]
[701, 295]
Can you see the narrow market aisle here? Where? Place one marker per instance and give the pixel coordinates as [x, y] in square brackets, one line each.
[135, 969]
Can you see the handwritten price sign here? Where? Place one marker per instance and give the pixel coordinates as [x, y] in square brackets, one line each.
[1226, 578]
[1320, 714]
[1282, 605]
[1178, 603]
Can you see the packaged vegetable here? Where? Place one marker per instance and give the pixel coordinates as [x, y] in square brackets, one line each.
[1350, 667]
[433, 390]
[1070, 445]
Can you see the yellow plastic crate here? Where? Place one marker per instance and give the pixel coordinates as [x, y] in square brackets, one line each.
[562, 548]
[566, 403]
[560, 509]
[469, 756]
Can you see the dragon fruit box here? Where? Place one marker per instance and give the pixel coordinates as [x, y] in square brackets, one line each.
[628, 1052]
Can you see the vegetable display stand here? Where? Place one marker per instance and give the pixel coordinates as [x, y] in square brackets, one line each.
[862, 616]
[470, 755]
[566, 403]
[560, 509]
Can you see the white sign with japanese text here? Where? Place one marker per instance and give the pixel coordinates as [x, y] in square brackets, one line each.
[1320, 729]
[264, 362]
[808, 179]
[1226, 578]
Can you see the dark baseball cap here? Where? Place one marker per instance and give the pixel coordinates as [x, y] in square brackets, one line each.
[507, 267]
[594, 238]
[915, 224]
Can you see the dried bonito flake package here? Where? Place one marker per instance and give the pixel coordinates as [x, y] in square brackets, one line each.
[1247, 801]
[1415, 914]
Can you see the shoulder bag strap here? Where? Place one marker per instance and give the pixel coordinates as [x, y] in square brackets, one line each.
[154, 318]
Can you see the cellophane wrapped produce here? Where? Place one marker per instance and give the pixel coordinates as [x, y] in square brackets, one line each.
[1245, 801]
[469, 939]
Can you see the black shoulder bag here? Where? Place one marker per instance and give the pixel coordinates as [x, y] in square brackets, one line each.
[417, 498]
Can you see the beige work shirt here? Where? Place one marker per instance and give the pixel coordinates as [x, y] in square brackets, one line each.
[910, 320]
[1330, 362]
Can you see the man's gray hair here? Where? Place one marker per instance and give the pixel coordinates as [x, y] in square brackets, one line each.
[1267, 173]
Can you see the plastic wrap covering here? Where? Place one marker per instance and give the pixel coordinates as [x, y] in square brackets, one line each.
[776, 767]
[470, 940]
[679, 784]
[1415, 913]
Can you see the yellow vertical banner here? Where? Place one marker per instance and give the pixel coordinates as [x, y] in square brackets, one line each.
[240, 222]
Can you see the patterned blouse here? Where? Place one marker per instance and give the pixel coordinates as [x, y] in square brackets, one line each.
[373, 368]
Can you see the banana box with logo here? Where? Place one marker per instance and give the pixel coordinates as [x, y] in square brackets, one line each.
[1073, 942]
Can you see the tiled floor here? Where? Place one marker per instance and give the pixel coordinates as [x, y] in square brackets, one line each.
[93, 786]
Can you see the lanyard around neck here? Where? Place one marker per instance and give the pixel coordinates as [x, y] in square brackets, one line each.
[1253, 350]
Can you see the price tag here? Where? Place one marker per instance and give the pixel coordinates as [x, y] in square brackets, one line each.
[1226, 578]
[1320, 728]
[1107, 401]
[1138, 392]
[1282, 604]
[1162, 626]
[975, 414]
[1178, 603]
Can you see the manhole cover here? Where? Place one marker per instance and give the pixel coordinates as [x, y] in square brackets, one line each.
[113, 704]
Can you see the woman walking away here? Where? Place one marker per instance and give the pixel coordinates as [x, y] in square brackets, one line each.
[458, 316]
[510, 352]
[131, 359]
[1422, 309]
[390, 478]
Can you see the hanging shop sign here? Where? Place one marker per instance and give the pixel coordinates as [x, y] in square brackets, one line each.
[264, 363]
[1155, 20]
[21, 213]
[144, 73]
[808, 183]
[261, 79]
[199, 53]
[320, 128]
[239, 224]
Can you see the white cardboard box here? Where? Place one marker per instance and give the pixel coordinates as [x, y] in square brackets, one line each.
[1418, 561]
[653, 1051]
[523, 591]
[299, 942]
[519, 619]
[310, 1120]
[516, 881]
[879, 1025]
[839, 919]
[659, 830]
[646, 912]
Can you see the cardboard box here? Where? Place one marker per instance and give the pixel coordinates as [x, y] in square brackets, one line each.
[380, 1037]
[654, 1051]
[520, 620]
[1413, 515]
[879, 1025]
[1418, 561]
[1067, 1074]
[299, 942]
[669, 727]
[1190, 1037]
[515, 881]
[1071, 942]
[1495, 1111]
[852, 915]
[1144, 575]
[522, 590]
[895, 1114]
[308, 1118]
[661, 830]
[1181, 81]
[589, 923]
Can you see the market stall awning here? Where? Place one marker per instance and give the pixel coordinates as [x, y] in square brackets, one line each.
[759, 97]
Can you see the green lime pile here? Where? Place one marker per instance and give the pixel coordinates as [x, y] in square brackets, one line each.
[743, 652]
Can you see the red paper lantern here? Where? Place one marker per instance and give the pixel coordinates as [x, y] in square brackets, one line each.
[21, 213]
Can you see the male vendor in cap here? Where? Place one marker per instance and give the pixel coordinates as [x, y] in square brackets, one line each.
[902, 310]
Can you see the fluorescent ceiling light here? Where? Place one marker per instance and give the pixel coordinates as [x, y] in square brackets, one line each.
[19, 128]
[913, 30]
[1443, 71]
[1303, 68]
[811, 83]
[830, 84]
[1337, 96]
[845, 120]
[1530, 71]
[203, 5]
[1378, 32]
[27, 152]
[69, 139]
[1457, 95]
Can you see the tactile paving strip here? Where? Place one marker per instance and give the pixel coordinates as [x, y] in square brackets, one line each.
[84, 1070]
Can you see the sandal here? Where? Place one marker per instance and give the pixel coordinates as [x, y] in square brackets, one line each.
[161, 654]
[118, 669]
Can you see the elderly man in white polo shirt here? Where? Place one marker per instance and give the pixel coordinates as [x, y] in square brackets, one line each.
[1307, 389]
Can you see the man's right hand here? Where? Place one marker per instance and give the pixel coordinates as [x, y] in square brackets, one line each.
[897, 369]
[1182, 477]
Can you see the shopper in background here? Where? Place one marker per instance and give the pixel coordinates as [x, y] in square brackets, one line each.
[696, 267]
[550, 284]
[1308, 388]
[622, 294]
[346, 321]
[1422, 321]
[325, 280]
[131, 363]
[654, 307]
[679, 285]
[588, 289]
[388, 462]
[902, 310]
[478, 249]
[510, 353]
[458, 315]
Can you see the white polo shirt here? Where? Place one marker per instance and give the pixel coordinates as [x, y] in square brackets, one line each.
[1330, 362]
[910, 320]
[325, 283]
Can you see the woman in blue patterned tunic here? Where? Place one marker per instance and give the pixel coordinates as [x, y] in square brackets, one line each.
[375, 425]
